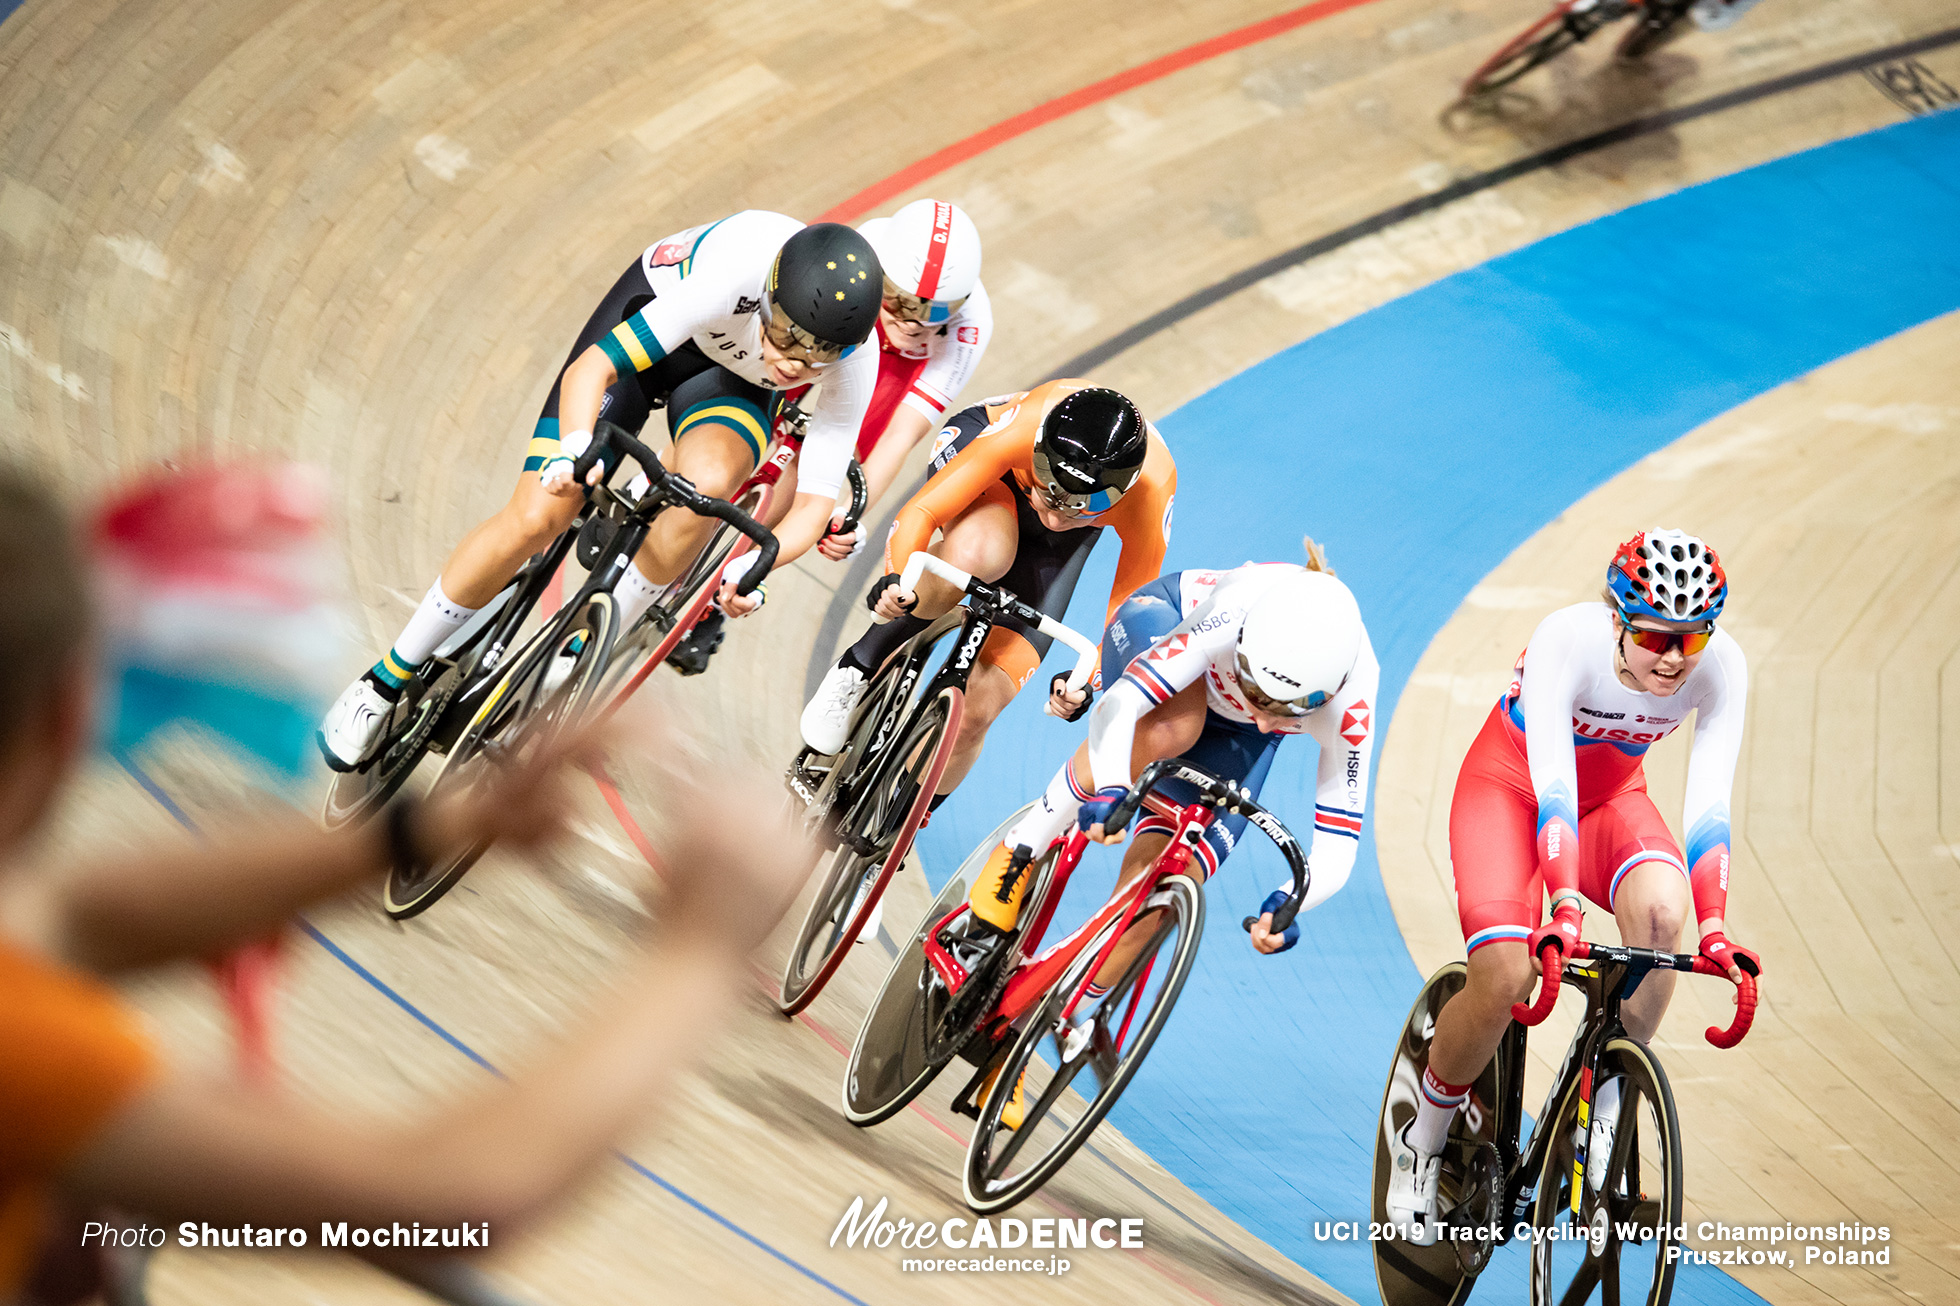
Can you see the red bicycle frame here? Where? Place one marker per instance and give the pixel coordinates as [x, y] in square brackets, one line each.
[1036, 974]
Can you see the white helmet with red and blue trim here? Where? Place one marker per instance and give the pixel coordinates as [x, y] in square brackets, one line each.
[1669, 576]
[930, 251]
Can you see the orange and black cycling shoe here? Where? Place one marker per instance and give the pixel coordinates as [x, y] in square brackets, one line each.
[997, 894]
[1016, 1109]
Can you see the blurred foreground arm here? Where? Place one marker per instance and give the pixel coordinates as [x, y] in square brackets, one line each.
[185, 1149]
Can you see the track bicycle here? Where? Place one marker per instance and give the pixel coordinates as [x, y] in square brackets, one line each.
[1599, 1198]
[489, 689]
[1009, 1010]
[1567, 24]
[864, 805]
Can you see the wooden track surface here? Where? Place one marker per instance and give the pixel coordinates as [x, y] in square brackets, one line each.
[1841, 551]
[363, 234]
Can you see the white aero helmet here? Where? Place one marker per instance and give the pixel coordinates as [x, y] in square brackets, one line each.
[1298, 643]
[930, 251]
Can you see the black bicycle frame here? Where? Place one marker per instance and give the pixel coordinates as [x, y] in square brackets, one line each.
[666, 490]
[1609, 976]
[984, 606]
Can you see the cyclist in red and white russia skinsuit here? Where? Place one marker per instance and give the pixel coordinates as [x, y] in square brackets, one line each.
[1553, 793]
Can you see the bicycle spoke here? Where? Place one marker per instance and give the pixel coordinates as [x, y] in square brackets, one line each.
[1584, 1282]
[1034, 1115]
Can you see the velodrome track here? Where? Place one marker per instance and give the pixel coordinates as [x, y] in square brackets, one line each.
[362, 236]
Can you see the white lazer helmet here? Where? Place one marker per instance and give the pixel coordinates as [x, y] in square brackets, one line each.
[1298, 643]
[930, 251]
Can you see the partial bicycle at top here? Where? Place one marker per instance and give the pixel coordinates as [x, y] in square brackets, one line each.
[1569, 22]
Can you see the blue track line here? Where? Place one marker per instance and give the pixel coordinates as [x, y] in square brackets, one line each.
[386, 990]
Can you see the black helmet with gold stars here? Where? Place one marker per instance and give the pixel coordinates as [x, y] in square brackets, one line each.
[824, 290]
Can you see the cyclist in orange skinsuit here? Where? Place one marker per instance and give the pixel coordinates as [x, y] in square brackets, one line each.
[1020, 489]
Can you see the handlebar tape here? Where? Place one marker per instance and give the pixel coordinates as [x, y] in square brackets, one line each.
[1548, 992]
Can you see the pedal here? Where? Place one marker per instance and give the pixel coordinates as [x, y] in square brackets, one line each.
[967, 1101]
[793, 780]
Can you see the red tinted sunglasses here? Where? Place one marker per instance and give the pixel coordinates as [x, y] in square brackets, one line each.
[1658, 642]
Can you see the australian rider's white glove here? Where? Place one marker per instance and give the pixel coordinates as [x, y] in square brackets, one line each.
[738, 568]
[557, 470]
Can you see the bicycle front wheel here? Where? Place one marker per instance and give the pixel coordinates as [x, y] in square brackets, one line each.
[543, 690]
[1538, 44]
[1616, 1243]
[872, 839]
[1109, 1037]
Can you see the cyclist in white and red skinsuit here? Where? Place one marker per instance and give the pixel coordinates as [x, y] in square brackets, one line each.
[1554, 793]
[933, 327]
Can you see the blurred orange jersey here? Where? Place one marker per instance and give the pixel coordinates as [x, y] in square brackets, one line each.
[70, 1056]
[1004, 451]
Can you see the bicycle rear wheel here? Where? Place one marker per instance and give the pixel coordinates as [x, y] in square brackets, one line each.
[544, 689]
[1618, 1247]
[873, 838]
[900, 1046]
[1004, 1167]
[1476, 1162]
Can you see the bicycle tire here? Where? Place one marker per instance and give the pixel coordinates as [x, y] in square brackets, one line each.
[888, 1065]
[887, 815]
[984, 1183]
[1646, 1151]
[512, 707]
[1546, 39]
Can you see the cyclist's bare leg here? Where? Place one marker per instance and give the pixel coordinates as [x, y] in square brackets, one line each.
[982, 540]
[490, 554]
[1651, 907]
[717, 459]
[1473, 1023]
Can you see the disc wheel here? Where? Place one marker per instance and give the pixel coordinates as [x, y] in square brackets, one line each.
[1110, 1041]
[899, 1046]
[544, 689]
[872, 840]
[1441, 1274]
[1618, 1247]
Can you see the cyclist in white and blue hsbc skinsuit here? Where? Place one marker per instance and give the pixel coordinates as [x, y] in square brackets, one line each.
[1197, 626]
[716, 322]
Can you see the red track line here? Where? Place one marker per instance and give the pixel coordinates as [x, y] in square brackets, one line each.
[1062, 106]
[625, 818]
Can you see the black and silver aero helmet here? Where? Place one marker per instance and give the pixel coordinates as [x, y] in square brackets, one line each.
[824, 289]
[1089, 451]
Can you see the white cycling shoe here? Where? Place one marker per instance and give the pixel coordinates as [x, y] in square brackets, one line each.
[352, 725]
[1411, 1196]
[826, 720]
